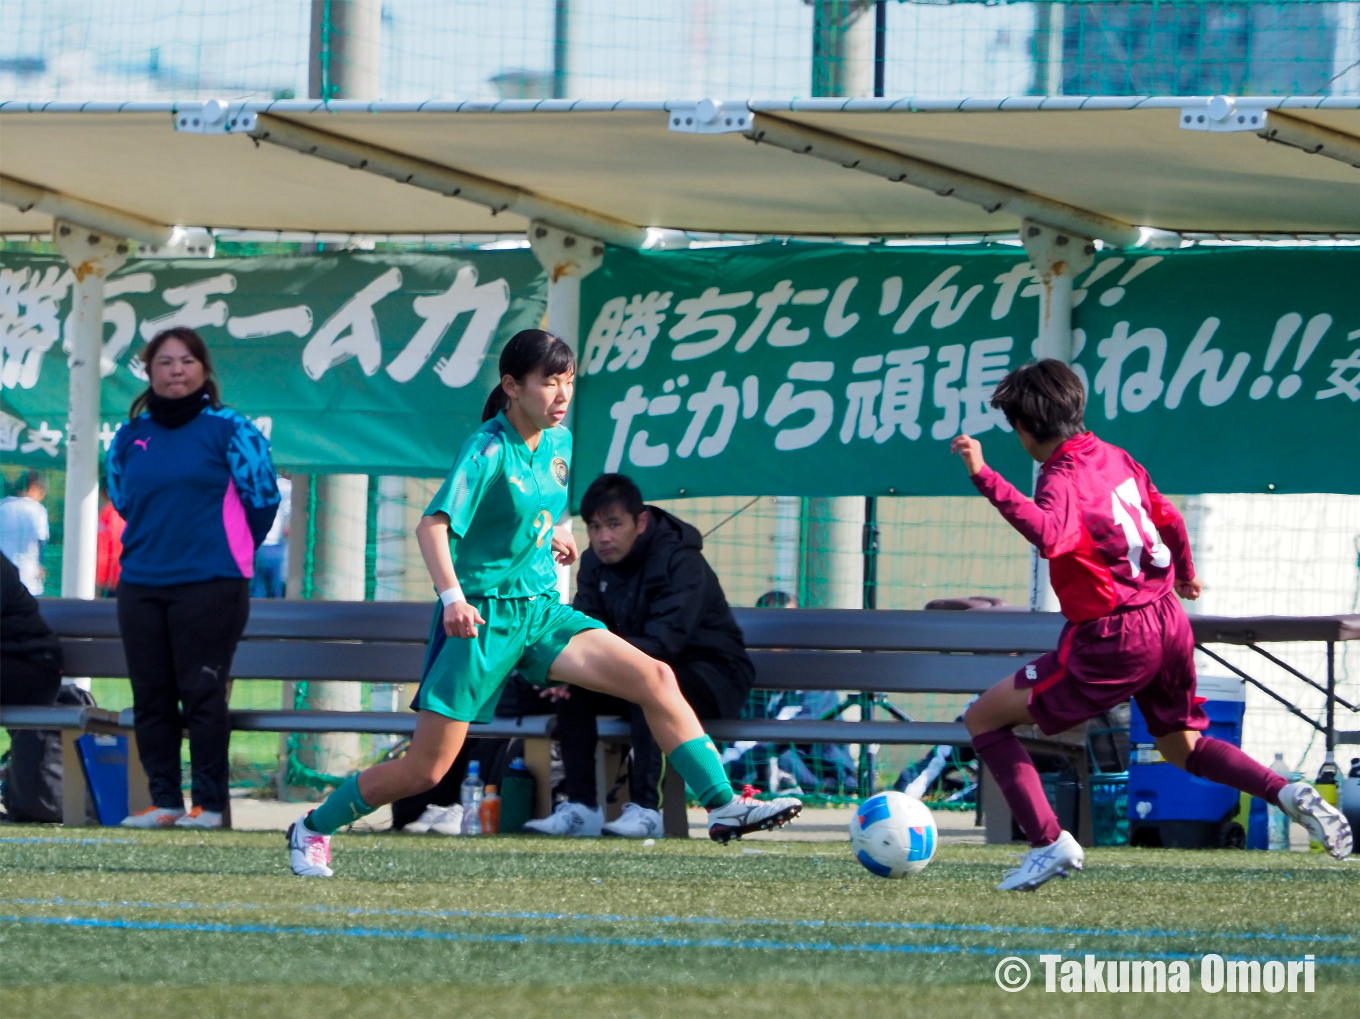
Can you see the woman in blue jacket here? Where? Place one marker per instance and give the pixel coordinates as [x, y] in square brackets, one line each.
[194, 482]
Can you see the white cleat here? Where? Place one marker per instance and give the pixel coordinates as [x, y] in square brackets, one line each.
[428, 818]
[635, 823]
[743, 814]
[200, 818]
[1043, 863]
[450, 822]
[309, 852]
[1325, 824]
[152, 817]
[574, 819]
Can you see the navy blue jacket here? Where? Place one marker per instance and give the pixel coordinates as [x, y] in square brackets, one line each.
[198, 499]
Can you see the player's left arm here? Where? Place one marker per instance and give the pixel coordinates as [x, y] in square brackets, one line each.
[1171, 527]
[1051, 520]
[564, 542]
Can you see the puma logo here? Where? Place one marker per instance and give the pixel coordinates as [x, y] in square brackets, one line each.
[141, 442]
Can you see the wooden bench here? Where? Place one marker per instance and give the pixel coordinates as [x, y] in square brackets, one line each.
[888, 652]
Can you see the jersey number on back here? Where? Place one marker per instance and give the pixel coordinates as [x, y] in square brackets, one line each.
[1125, 503]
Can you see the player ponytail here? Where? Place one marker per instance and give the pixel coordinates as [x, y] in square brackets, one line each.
[529, 350]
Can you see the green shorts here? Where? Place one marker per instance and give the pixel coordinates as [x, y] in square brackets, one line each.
[463, 677]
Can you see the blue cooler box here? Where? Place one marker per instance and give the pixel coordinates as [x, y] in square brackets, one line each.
[1170, 807]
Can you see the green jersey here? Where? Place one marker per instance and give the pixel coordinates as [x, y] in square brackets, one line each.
[502, 499]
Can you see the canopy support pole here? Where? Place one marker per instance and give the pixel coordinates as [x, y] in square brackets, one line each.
[567, 258]
[1058, 258]
[91, 256]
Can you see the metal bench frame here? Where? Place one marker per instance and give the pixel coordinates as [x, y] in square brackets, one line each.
[878, 652]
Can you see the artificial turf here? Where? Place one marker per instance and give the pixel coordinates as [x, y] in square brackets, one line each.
[114, 923]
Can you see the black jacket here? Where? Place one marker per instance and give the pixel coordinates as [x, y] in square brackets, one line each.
[665, 600]
[23, 631]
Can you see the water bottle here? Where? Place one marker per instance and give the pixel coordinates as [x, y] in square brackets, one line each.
[1326, 784]
[1278, 819]
[471, 799]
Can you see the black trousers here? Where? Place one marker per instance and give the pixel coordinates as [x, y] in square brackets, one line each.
[577, 735]
[179, 641]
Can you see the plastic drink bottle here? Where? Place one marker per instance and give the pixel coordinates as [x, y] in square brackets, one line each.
[517, 797]
[491, 811]
[471, 799]
[1325, 784]
[1278, 819]
[1350, 795]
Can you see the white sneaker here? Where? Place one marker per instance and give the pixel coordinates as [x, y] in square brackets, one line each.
[200, 818]
[309, 853]
[635, 823]
[575, 819]
[1039, 865]
[428, 817]
[1324, 822]
[743, 814]
[450, 822]
[152, 817]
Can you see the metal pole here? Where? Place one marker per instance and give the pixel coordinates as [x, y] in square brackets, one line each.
[880, 47]
[91, 256]
[561, 49]
[871, 536]
[1331, 702]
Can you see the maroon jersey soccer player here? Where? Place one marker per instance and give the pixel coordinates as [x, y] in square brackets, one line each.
[1118, 556]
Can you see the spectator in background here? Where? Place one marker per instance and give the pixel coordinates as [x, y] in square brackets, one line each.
[195, 484]
[108, 547]
[30, 674]
[645, 577]
[271, 561]
[24, 531]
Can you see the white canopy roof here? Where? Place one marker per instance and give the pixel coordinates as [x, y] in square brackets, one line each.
[1100, 166]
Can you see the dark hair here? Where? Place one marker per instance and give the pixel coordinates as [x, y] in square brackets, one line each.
[611, 490]
[30, 479]
[196, 347]
[529, 350]
[774, 600]
[1045, 398]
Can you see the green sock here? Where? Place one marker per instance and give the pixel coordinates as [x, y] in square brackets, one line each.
[342, 807]
[699, 765]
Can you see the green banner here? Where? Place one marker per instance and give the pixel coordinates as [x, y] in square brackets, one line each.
[789, 369]
[348, 362]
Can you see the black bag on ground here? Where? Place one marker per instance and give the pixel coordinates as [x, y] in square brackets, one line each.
[32, 787]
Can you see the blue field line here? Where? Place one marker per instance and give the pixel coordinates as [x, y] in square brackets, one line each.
[381, 933]
[888, 925]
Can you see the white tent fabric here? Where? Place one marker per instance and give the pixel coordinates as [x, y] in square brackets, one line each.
[1125, 159]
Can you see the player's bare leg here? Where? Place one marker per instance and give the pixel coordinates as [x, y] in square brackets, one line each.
[433, 748]
[602, 661]
[990, 721]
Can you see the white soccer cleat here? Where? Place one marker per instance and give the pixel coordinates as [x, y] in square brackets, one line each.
[1043, 863]
[635, 823]
[200, 818]
[427, 819]
[743, 814]
[152, 817]
[450, 822]
[574, 819]
[309, 852]
[1325, 824]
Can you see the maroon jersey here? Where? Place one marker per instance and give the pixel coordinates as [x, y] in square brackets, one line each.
[1110, 537]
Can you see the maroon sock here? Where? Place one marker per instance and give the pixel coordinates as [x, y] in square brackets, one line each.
[1223, 763]
[1014, 771]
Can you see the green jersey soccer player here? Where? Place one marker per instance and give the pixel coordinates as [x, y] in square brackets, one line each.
[490, 539]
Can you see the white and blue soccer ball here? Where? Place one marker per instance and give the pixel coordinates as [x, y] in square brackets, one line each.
[893, 835]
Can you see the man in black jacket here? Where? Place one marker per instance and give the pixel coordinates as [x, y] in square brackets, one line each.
[646, 578]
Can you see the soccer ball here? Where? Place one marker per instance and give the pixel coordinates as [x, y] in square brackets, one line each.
[893, 835]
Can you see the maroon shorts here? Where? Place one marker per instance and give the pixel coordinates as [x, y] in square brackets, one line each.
[1146, 654]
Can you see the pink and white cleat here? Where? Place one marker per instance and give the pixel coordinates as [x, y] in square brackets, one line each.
[309, 852]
